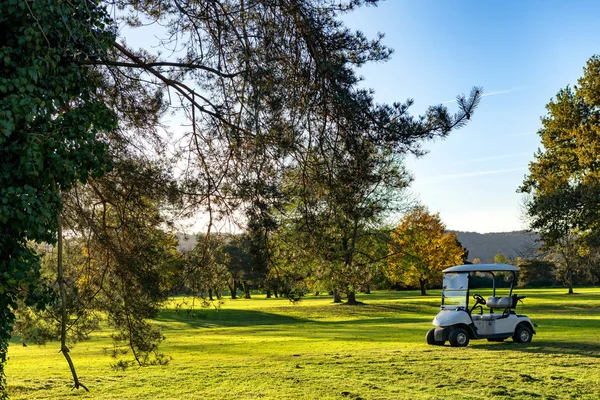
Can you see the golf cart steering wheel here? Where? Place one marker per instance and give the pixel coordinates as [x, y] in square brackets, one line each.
[478, 299]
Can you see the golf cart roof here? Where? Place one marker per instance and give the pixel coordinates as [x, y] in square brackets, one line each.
[481, 268]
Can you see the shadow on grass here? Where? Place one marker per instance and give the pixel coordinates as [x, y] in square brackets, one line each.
[563, 347]
[227, 318]
[428, 308]
[363, 328]
[249, 318]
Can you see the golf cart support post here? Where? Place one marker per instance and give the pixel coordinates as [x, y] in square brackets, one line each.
[457, 321]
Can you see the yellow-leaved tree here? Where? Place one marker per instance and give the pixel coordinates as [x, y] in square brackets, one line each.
[420, 248]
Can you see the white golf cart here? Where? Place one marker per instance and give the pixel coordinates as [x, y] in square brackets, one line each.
[458, 323]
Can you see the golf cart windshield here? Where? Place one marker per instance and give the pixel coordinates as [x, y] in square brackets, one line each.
[454, 290]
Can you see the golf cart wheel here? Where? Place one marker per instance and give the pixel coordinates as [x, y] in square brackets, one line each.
[430, 337]
[523, 334]
[458, 337]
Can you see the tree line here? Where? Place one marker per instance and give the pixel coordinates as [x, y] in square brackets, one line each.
[410, 255]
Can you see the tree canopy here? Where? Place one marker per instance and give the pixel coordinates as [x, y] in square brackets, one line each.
[420, 248]
[53, 132]
[563, 183]
[500, 259]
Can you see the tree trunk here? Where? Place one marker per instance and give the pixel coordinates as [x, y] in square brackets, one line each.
[210, 294]
[368, 289]
[352, 298]
[218, 293]
[276, 293]
[269, 295]
[337, 297]
[570, 278]
[246, 288]
[233, 289]
[63, 307]
[423, 291]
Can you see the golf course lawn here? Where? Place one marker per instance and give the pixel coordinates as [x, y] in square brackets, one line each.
[273, 349]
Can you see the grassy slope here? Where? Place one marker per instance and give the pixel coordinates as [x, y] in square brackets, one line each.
[272, 349]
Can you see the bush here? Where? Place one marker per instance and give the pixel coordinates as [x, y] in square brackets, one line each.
[537, 272]
[538, 283]
[486, 281]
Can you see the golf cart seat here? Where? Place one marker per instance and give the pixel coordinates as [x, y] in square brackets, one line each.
[499, 302]
[485, 317]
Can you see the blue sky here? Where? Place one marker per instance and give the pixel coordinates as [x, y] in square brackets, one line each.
[521, 52]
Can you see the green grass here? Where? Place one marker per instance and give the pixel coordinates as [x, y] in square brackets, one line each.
[271, 349]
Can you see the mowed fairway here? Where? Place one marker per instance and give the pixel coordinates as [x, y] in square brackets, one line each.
[272, 349]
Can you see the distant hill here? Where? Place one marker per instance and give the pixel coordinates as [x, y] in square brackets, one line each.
[486, 245]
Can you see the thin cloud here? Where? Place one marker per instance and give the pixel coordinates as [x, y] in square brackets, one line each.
[442, 178]
[492, 158]
[515, 89]
[448, 101]
[497, 92]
